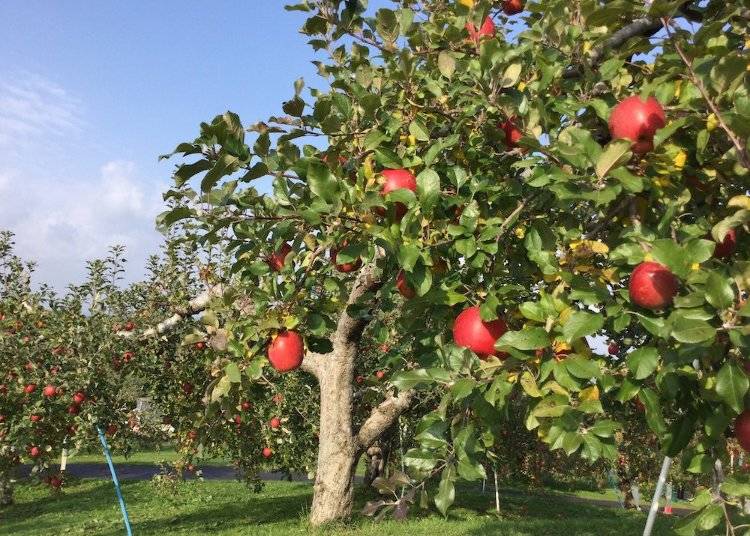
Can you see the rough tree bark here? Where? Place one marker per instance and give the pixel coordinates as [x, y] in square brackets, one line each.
[6, 490]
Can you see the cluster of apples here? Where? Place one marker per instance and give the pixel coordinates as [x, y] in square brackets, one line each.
[487, 29]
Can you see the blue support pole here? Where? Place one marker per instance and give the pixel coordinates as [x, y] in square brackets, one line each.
[115, 481]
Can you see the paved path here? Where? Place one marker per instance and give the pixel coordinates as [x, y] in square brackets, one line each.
[137, 471]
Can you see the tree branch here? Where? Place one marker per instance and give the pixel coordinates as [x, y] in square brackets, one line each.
[382, 417]
[349, 329]
[739, 145]
[313, 363]
[194, 306]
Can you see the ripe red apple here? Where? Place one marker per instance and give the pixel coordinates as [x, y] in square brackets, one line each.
[512, 7]
[49, 391]
[72, 430]
[192, 435]
[286, 351]
[30, 388]
[55, 482]
[2, 418]
[237, 420]
[512, 133]
[187, 388]
[397, 179]
[742, 429]
[267, 452]
[246, 405]
[35, 418]
[347, 266]
[637, 120]
[29, 366]
[359, 379]
[111, 429]
[613, 348]
[276, 260]
[384, 348]
[35, 451]
[79, 398]
[470, 331]
[486, 30]
[129, 326]
[278, 398]
[274, 423]
[403, 286]
[726, 247]
[127, 356]
[3, 389]
[190, 468]
[652, 285]
[74, 409]
[200, 345]
[380, 374]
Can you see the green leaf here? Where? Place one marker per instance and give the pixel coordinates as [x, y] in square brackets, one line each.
[321, 182]
[446, 63]
[719, 291]
[581, 324]
[615, 154]
[731, 385]
[706, 518]
[233, 372]
[692, 331]
[446, 490]
[642, 362]
[654, 416]
[526, 339]
[605, 428]
[428, 189]
[736, 486]
[419, 130]
[583, 368]
[528, 383]
[511, 75]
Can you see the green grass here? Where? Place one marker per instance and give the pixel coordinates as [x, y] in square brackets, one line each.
[151, 457]
[229, 508]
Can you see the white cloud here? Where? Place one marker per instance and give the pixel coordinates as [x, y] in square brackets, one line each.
[31, 106]
[61, 224]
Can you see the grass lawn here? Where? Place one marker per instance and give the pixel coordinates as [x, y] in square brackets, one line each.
[228, 508]
[151, 457]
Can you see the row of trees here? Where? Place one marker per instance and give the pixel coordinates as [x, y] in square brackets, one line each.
[544, 187]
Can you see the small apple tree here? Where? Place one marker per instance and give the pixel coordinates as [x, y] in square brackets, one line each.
[549, 175]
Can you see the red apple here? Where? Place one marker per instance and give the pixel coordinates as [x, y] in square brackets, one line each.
[129, 326]
[190, 468]
[613, 348]
[35, 418]
[267, 452]
[237, 420]
[30, 388]
[55, 482]
[111, 429]
[278, 398]
[637, 120]
[74, 409]
[403, 286]
[274, 423]
[127, 356]
[512, 133]
[512, 7]
[380, 374]
[286, 351]
[726, 247]
[486, 30]
[397, 179]
[652, 285]
[347, 266]
[187, 388]
[49, 391]
[246, 405]
[470, 331]
[79, 398]
[29, 366]
[276, 260]
[742, 429]
[359, 379]
[3, 389]
[35, 451]
[200, 345]
[192, 435]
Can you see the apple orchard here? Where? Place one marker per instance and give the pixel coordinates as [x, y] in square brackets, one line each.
[492, 209]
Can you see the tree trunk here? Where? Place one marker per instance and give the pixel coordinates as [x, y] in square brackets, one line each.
[337, 452]
[6, 491]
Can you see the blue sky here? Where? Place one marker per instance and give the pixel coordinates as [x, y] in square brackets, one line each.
[92, 92]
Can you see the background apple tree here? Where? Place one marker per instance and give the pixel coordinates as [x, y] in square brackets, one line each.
[525, 166]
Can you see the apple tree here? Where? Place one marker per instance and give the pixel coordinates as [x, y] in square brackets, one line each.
[506, 184]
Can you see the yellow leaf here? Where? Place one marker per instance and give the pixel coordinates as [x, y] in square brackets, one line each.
[590, 393]
[561, 346]
[512, 377]
[528, 383]
[711, 122]
[586, 47]
[648, 257]
[740, 201]
[412, 140]
[520, 232]
[521, 86]
[565, 315]
[680, 159]
[467, 3]
[677, 88]
[695, 266]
